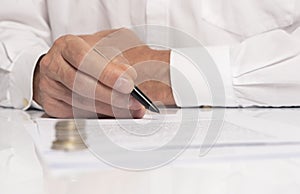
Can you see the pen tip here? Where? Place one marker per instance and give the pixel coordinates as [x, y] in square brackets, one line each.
[154, 109]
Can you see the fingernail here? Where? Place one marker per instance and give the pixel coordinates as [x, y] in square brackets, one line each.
[134, 104]
[124, 85]
[138, 114]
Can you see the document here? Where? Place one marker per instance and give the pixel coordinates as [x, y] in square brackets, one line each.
[244, 134]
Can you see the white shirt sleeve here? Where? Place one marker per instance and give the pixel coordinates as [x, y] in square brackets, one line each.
[24, 36]
[266, 70]
[200, 92]
[261, 71]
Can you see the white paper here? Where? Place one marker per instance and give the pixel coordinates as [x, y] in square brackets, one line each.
[248, 134]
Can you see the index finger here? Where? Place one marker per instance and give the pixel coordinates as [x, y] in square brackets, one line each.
[92, 62]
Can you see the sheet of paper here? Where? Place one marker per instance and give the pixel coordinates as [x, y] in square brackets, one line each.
[245, 134]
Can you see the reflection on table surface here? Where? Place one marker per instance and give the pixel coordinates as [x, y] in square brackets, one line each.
[254, 147]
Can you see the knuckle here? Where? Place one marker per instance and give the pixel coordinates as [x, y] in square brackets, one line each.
[79, 53]
[44, 63]
[63, 41]
[68, 37]
[58, 42]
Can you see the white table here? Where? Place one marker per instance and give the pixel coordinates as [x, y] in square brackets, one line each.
[257, 151]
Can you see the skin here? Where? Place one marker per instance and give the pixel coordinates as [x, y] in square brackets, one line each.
[55, 75]
[153, 73]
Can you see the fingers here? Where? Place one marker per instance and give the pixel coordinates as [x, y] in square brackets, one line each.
[55, 92]
[60, 92]
[57, 108]
[60, 109]
[79, 54]
[115, 76]
[75, 77]
[81, 84]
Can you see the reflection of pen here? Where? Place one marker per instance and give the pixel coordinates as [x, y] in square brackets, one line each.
[137, 93]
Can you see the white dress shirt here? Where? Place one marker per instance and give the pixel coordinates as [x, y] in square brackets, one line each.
[255, 44]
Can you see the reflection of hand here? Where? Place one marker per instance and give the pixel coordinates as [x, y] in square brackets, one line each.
[55, 77]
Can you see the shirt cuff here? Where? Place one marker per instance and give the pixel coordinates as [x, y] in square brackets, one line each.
[21, 91]
[35, 105]
[190, 85]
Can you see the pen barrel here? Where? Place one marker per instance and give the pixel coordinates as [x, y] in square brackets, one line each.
[137, 95]
[144, 100]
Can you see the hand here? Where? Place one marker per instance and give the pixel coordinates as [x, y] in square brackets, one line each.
[56, 92]
[152, 66]
[153, 70]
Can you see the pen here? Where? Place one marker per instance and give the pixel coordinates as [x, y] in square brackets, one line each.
[137, 93]
[144, 100]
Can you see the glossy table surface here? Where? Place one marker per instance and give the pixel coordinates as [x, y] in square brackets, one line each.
[255, 151]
